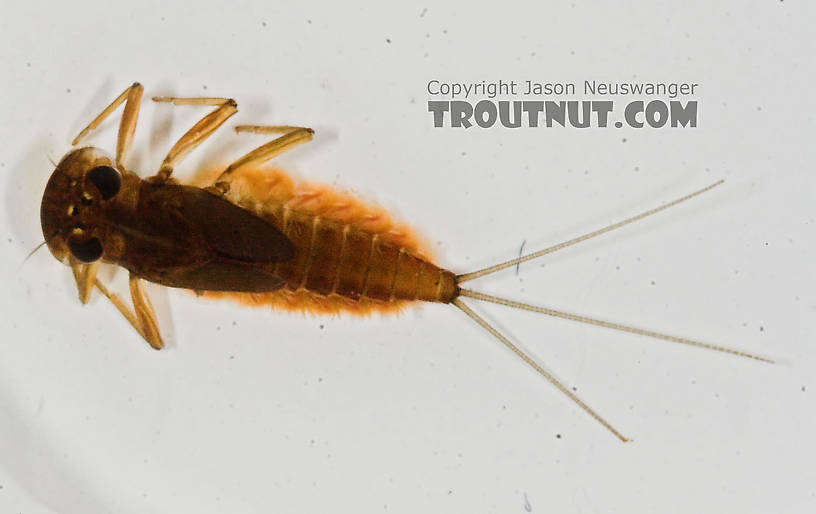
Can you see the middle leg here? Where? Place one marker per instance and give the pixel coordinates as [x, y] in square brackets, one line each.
[226, 107]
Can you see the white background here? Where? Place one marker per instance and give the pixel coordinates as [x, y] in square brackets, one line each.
[251, 411]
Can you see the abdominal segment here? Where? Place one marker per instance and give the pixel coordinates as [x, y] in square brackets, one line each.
[349, 256]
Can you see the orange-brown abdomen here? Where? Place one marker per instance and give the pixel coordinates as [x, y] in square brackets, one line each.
[349, 256]
[332, 257]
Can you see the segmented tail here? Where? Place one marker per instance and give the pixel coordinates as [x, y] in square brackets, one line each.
[575, 317]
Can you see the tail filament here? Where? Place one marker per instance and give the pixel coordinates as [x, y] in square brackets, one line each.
[504, 265]
[607, 324]
[526, 358]
[575, 317]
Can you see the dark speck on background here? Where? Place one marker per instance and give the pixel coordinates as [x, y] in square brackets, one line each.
[424, 11]
[623, 140]
[388, 40]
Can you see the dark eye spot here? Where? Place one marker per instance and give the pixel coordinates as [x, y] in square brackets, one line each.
[88, 250]
[106, 179]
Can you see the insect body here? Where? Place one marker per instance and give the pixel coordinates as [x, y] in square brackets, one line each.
[256, 236]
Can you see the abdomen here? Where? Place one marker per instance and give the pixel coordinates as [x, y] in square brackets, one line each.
[338, 258]
[349, 256]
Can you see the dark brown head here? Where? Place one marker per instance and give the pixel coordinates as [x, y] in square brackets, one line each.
[72, 209]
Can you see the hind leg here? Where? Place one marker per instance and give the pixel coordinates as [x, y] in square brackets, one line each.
[291, 136]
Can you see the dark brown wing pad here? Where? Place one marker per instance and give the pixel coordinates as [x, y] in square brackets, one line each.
[232, 231]
[183, 236]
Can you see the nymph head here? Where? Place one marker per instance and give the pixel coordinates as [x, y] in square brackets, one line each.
[84, 181]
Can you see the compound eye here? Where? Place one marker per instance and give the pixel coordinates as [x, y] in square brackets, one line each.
[106, 179]
[86, 250]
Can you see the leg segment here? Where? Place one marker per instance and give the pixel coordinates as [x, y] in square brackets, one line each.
[85, 276]
[291, 137]
[132, 97]
[145, 313]
[226, 107]
[142, 318]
